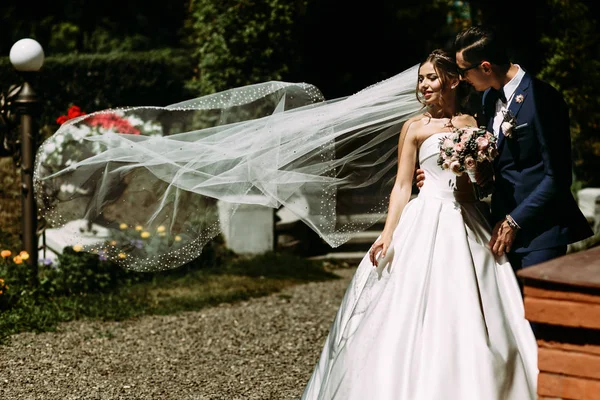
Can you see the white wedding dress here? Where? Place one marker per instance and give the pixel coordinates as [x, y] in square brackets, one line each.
[440, 318]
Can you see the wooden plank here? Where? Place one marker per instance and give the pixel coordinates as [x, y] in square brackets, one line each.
[562, 312]
[553, 398]
[579, 348]
[560, 295]
[569, 363]
[581, 269]
[567, 387]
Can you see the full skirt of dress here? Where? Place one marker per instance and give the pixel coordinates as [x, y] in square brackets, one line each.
[440, 318]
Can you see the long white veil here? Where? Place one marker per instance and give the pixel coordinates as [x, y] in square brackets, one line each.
[158, 179]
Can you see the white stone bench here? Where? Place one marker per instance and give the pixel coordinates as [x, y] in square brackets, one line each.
[72, 233]
[250, 230]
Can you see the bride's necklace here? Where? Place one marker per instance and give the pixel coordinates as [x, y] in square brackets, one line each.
[445, 124]
[449, 124]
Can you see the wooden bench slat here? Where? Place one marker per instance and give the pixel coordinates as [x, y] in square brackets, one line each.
[579, 348]
[568, 387]
[562, 312]
[569, 363]
[530, 291]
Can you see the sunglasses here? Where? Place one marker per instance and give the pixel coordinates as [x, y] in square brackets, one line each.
[463, 71]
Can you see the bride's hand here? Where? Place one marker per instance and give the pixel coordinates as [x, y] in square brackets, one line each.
[381, 245]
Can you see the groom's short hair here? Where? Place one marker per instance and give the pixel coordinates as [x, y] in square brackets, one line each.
[479, 43]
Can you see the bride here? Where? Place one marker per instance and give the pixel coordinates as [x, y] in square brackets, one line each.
[430, 313]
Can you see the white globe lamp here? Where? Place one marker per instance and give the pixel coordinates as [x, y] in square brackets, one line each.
[27, 55]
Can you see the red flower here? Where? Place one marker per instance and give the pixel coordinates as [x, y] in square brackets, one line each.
[103, 120]
[73, 112]
[113, 121]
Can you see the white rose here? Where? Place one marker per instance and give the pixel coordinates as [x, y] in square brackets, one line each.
[50, 147]
[69, 188]
[135, 121]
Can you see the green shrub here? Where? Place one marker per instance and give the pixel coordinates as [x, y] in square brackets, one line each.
[78, 273]
[16, 276]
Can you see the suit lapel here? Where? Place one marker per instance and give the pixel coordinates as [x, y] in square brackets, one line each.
[521, 92]
[515, 106]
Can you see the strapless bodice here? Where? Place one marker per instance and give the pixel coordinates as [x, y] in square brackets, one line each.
[440, 183]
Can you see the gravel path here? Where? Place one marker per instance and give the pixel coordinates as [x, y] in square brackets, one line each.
[264, 348]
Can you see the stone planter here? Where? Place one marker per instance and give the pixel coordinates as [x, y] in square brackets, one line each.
[562, 297]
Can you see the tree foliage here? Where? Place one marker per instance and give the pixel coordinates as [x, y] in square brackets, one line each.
[239, 42]
[572, 65]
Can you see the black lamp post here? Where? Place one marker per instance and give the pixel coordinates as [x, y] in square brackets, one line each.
[27, 56]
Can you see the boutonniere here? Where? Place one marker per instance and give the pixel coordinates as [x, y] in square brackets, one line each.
[519, 98]
[508, 123]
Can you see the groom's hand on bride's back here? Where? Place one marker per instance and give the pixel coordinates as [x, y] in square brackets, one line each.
[419, 177]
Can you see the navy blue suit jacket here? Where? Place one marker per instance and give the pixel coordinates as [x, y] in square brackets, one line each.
[534, 171]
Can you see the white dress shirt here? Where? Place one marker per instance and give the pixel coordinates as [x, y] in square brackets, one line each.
[509, 92]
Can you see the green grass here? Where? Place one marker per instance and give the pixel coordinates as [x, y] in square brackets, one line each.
[167, 293]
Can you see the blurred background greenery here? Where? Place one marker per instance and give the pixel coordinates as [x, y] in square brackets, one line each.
[108, 53]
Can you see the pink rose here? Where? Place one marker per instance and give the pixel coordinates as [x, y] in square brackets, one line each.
[458, 147]
[455, 167]
[482, 156]
[482, 143]
[470, 163]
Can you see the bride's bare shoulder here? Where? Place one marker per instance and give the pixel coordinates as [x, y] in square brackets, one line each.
[416, 123]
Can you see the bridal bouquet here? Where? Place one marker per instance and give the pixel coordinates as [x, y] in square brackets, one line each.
[470, 150]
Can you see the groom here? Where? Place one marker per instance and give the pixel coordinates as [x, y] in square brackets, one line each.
[534, 212]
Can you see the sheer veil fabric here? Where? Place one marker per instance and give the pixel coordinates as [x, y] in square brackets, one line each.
[158, 180]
